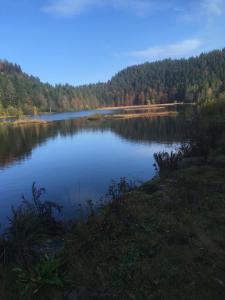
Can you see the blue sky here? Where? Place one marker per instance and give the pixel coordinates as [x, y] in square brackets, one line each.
[84, 41]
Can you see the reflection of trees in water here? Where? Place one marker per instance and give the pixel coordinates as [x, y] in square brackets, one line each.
[160, 129]
[16, 143]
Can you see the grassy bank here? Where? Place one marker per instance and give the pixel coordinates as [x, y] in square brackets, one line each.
[132, 112]
[148, 114]
[147, 106]
[163, 240]
[21, 122]
[166, 239]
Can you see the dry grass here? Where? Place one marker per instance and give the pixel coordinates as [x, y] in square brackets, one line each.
[29, 121]
[23, 122]
[136, 107]
[147, 114]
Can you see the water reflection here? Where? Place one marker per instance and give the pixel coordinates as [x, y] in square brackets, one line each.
[75, 160]
[17, 143]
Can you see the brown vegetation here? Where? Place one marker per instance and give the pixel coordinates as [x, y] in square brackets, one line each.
[23, 122]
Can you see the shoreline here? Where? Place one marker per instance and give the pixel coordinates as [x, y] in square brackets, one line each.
[20, 122]
[155, 110]
[149, 106]
[140, 115]
[107, 108]
[158, 240]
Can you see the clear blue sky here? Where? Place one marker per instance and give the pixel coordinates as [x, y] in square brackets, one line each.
[83, 41]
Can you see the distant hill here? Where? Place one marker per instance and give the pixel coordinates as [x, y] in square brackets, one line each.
[198, 79]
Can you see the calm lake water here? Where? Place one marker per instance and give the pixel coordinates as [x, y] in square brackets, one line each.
[76, 160]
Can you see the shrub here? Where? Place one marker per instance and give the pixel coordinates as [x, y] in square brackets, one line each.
[116, 191]
[31, 223]
[190, 149]
[207, 128]
[167, 161]
[41, 279]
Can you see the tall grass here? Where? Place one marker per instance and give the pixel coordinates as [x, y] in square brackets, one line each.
[167, 161]
[22, 248]
[117, 190]
[30, 224]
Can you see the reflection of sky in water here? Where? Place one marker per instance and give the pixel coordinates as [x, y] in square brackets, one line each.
[80, 166]
[70, 115]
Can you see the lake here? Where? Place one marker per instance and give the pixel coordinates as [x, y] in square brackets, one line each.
[76, 159]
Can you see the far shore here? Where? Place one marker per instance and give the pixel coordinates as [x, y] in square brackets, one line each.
[152, 110]
[141, 115]
[20, 122]
[149, 106]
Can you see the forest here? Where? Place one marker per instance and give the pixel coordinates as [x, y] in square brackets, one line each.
[195, 80]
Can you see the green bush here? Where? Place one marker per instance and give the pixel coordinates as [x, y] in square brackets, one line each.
[41, 279]
[167, 161]
[31, 223]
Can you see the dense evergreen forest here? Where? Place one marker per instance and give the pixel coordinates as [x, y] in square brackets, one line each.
[197, 79]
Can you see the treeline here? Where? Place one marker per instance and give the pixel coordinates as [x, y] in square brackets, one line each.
[198, 79]
[21, 93]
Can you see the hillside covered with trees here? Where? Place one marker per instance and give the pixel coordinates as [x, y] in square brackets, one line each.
[197, 79]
